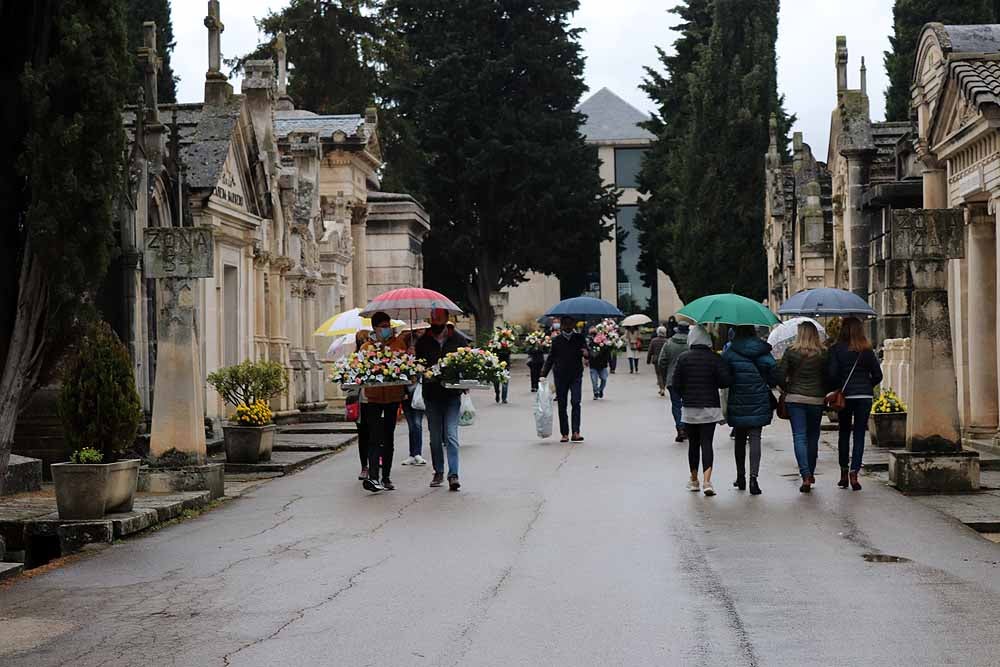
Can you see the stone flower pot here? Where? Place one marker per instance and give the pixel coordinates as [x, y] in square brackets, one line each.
[888, 429]
[86, 491]
[248, 444]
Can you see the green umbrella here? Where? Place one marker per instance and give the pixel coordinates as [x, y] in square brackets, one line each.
[728, 309]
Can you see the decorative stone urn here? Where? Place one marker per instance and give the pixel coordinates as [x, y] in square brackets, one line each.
[888, 429]
[248, 444]
[87, 491]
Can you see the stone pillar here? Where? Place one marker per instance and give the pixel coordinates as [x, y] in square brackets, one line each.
[981, 251]
[178, 256]
[359, 267]
[935, 185]
[284, 101]
[856, 231]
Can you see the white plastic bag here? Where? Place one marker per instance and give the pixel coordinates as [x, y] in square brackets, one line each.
[467, 413]
[417, 400]
[543, 410]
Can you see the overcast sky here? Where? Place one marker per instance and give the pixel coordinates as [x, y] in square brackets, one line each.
[621, 37]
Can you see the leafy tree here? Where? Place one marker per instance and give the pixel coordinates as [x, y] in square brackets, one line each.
[137, 13]
[908, 19]
[488, 88]
[63, 133]
[705, 172]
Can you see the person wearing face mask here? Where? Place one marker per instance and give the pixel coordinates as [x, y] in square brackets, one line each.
[380, 410]
[442, 404]
[569, 349]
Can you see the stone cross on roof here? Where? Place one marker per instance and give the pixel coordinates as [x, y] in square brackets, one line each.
[215, 28]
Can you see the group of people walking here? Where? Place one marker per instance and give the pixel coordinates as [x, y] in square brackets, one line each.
[811, 377]
[380, 407]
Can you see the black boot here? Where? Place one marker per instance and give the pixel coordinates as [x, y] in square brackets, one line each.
[741, 480]
[754, 488]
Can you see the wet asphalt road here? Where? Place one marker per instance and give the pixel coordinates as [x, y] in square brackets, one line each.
[551, 554]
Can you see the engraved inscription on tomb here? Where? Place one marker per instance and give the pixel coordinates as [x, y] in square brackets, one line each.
[178, 252]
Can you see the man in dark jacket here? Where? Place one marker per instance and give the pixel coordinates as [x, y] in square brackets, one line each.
[666, 364]
[569, 349]
[653, 356]
[442, 405]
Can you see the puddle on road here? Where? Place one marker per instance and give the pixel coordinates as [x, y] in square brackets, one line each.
[884, 558]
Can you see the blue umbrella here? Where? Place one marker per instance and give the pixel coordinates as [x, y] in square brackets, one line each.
[826, 302]
[583, 307]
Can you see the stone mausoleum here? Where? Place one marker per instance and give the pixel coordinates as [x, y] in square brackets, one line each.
[299, 228]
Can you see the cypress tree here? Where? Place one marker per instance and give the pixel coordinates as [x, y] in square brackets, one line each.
[908, 19]
[137, 13]
[63, 135]
[489, 88]
[705, 172]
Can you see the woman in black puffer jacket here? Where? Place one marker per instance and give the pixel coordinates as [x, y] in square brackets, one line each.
[698, 377]
[854, 368]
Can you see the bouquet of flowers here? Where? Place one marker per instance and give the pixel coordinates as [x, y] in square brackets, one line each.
[504, 339]
[887, 402]
[377, 365]
[607, 338]
[469, 363]
[537, 341]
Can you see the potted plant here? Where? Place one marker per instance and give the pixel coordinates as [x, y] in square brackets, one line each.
[101, 413]
[249, 436]
[887, 423]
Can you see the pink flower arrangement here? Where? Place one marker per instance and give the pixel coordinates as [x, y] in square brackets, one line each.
[377, 365]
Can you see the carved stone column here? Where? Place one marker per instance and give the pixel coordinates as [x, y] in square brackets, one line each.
[359, 267]
[981, 251]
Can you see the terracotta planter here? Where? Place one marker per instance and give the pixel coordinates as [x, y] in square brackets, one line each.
[86, 491]
[888, 430]
[248, 444]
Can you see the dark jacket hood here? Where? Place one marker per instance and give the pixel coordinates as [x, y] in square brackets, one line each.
[750, 347]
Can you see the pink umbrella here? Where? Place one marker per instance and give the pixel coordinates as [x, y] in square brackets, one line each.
[414, 302]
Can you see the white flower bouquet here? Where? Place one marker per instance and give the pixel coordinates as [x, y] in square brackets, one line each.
[469, 366]
[378, 365]
[538, 341]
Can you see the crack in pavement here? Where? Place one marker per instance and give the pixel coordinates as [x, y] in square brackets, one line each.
[463, 639]
[299, 614]
[694, 563]
[399, 515]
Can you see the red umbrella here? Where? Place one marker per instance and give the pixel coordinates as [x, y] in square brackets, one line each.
[412, 302]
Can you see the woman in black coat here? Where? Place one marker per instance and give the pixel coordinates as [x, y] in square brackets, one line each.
[853, 368]
[698, 377]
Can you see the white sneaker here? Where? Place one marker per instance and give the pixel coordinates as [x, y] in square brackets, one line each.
[709, 489]
[693, 485]
[418, 460]
[408, 461]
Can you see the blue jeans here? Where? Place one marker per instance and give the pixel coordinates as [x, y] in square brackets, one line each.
[599, 380]
[675, 407]
[442, 423]
[853, 419]
[805, 434]
[501, 390]
[415, 422]
[569, 389]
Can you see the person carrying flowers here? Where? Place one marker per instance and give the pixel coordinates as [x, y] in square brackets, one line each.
[502, 344]
[380, 409]
[537, 343]
[442, 404]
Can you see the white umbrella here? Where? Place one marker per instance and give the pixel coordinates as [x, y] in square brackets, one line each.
[636, 320]
[342, 346]
[783, 335]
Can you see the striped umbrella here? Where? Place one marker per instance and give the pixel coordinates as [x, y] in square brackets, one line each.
[413, 302]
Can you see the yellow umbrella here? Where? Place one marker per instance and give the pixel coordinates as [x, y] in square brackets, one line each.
[348, 322]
